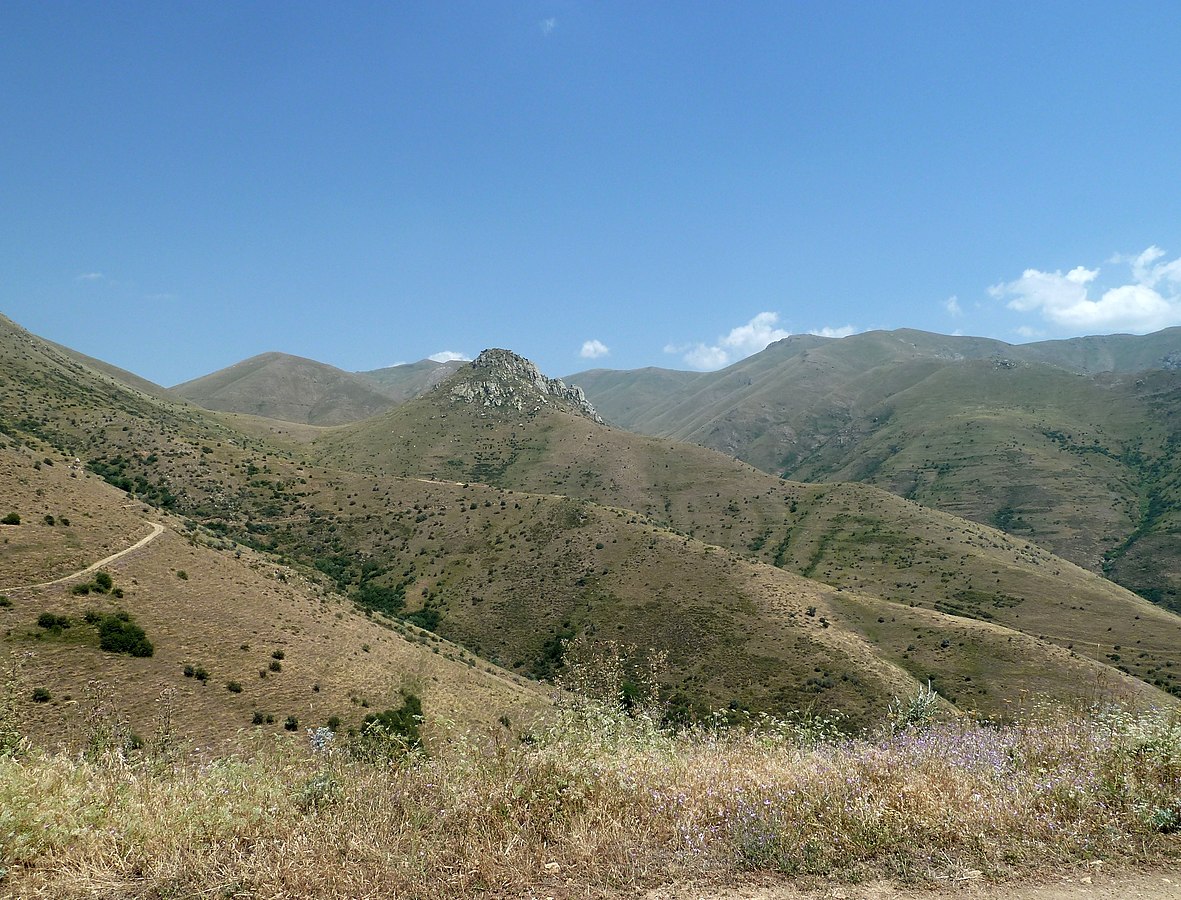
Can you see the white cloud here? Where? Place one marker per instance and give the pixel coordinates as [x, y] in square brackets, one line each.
[593, 349]
[740, 343]
[547, 26]
[1150, 302]
[829, 332]
[449, 356]
[91, 276]
[699, 356]
[1026, 332]
[754, 335]
[952, 305]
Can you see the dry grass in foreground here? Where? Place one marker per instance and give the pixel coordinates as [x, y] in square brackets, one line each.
[595, 802]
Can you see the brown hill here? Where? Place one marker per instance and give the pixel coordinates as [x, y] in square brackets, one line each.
[851, 537]
[289, 388]
[260, 637]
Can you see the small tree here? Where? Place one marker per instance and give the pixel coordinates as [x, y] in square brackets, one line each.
[11, 519]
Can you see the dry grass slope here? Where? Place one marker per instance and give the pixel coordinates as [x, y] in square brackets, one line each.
[597, 804]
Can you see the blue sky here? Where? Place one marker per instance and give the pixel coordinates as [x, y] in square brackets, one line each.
[619, 184]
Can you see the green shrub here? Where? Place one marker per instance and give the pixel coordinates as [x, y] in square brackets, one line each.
[4, 601]
[275, 666]
[427, 618]
[257, 718]
[50, 521]
[80, 589]
[51, 622]
[291, 724]
[102, 583]
[379, 598]
[278, 654]
[41, 695]
[234, 687]
[400, 725]
[120, 635]
[11, 519]
[182, 575]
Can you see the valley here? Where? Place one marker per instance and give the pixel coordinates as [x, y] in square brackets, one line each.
[497, 513]
[579, 618]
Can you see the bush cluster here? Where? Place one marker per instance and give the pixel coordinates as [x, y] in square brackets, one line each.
[102, 584]
[118, 633]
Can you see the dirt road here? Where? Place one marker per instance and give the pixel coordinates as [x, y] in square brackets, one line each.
[1093, 885]
[157, 530]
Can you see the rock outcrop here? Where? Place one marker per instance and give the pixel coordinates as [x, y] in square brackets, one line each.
[502, 379]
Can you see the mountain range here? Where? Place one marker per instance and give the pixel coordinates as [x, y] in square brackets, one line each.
[1070, 444]
[478, 527]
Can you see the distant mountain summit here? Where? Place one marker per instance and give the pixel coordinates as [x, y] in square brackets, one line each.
[289, 388]
[502, 379]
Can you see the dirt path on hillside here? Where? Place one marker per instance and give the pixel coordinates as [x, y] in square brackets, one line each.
[157, 530]
[1164, 884]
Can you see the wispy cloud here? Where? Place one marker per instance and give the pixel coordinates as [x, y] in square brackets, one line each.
[952, 305]
[593, 349]
[449, 356]
[547, 26]
[91, 276]
[829, 332]
[1073, 301]
[741, 342]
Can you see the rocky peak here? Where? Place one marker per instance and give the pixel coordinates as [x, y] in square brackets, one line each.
[501, 378]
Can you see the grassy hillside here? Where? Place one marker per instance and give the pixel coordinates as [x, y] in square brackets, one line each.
[289, 388]
[1026, 438]
[511, 576]
[233, 634]
[896, 555]
[515, 525]
[410, 380]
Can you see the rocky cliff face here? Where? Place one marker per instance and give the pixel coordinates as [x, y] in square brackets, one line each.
[502, 379]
